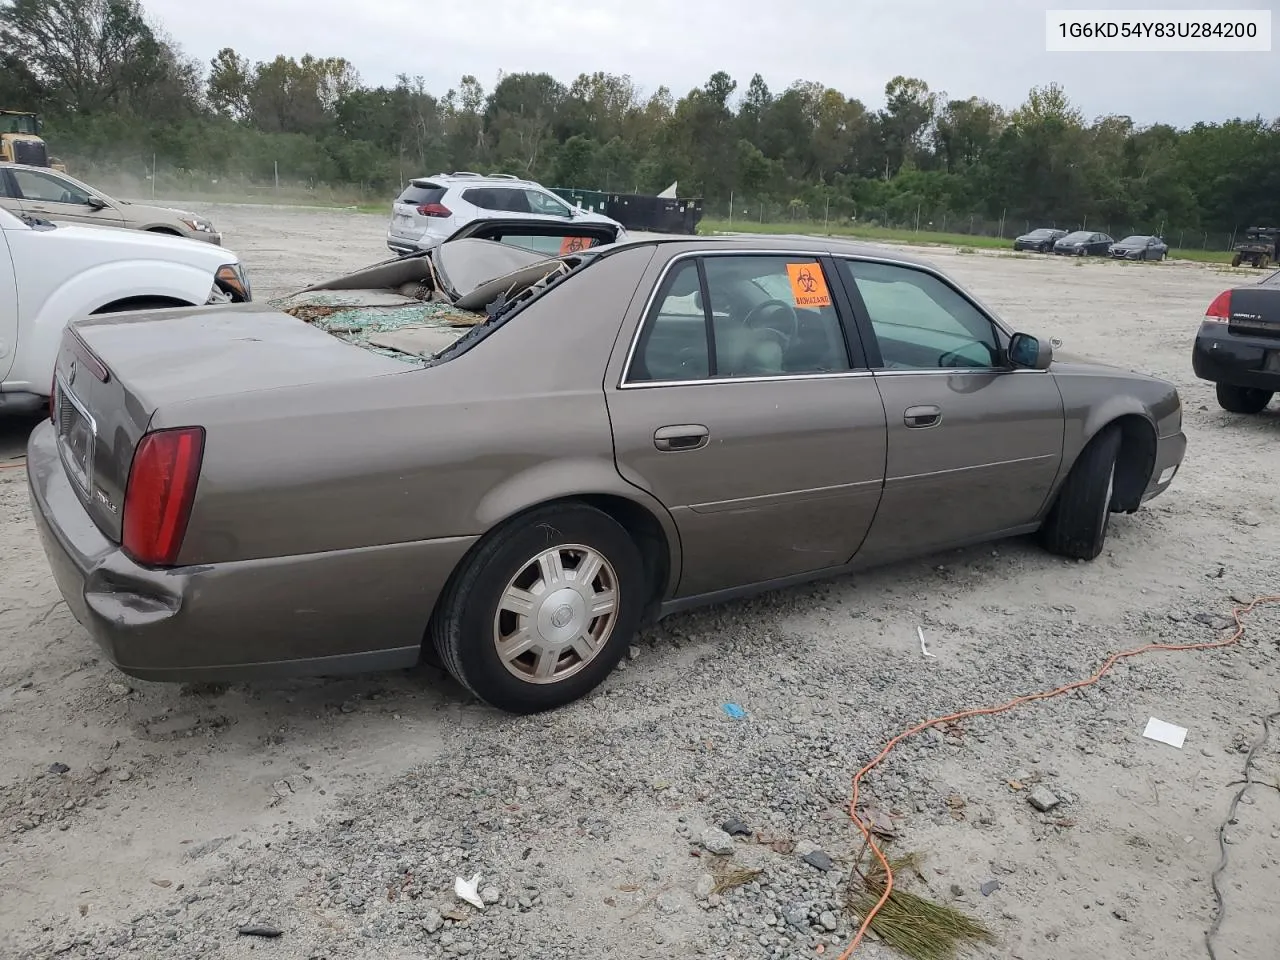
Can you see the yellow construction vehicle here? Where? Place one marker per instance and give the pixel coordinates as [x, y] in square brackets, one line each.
[20, 141]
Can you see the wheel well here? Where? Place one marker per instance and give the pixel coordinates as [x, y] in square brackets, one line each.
[1134, 463]
[169, 231]
[141, 303]
[647, 533]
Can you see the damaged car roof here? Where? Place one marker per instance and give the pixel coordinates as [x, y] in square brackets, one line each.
[413, 307]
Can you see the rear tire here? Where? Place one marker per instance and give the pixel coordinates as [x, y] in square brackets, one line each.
[1242, 399]
[1235, 261]
[519, 590]
[1077, 523]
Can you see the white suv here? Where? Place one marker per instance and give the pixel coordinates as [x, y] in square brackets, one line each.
[431, 209]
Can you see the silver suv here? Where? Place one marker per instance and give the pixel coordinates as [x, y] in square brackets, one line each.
[431, 209]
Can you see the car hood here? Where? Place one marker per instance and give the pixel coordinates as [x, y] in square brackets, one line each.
[119, 243]
[148, 211]
[1066, 362]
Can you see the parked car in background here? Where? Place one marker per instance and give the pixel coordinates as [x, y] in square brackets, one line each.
[1041, 240]
[560, 457]
[1139, 248]
[1237, 347]
[430, 209]
[50, 274]
[50, 195]
[1082, 243]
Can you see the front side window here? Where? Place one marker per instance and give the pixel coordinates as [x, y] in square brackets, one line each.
[921, 322]
[766, 316]
[46, 188]
[546, 204]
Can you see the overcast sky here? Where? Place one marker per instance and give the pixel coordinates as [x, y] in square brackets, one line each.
[989, 48]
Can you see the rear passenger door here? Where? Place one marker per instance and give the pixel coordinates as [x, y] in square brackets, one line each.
[742, 406]
[973, 445]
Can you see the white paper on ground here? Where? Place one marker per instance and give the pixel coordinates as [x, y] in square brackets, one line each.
[468, 890]
[1164, 732]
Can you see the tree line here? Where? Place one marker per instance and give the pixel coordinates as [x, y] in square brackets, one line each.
[114, 88]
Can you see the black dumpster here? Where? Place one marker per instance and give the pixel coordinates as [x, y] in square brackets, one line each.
[655, 214]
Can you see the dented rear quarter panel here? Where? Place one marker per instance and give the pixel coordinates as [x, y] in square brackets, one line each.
[515, 420]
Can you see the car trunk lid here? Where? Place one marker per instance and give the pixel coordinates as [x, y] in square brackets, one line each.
[1255, 311]
[114, 371]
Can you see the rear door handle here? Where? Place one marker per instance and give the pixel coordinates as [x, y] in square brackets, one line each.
[923, 416]
[685, 436]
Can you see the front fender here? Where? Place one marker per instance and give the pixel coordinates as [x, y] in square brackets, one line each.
[566, 479]
[1085, 419]
[39, 335]
[1109, 410]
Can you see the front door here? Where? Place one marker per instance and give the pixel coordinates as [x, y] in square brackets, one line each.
[53, 197]
[973, 446]
[744, 408]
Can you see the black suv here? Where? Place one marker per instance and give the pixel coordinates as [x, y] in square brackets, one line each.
[1238, 345]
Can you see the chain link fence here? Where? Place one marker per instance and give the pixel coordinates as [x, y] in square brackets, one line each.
[148, 178]
[845, 216]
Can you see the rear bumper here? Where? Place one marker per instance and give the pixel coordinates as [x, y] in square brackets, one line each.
[339, 612]
[1238, 361]
[400, 245]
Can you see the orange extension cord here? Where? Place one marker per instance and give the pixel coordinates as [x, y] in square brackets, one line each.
[988, 711]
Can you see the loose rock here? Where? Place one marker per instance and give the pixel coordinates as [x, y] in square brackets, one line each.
[1043, 799]
[715, 840]
[819, 859]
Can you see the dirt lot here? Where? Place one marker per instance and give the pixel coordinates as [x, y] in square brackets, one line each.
[146, 820]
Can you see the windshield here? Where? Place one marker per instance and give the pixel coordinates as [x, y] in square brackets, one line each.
[1041, 234]
[1078, 237]
[1134, 240]
[20, 123]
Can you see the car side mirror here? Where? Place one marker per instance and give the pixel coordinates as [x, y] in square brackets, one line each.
[97, 203]
[1030, 353]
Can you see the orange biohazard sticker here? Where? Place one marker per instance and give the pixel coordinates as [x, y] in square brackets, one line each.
[808, 285]
[574, 244]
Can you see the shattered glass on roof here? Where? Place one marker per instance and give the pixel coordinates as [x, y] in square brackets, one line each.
[357, 315]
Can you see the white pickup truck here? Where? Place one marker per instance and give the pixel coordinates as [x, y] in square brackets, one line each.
[53, 273]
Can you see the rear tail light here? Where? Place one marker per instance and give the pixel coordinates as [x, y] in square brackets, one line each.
[435, 210]
[1220, 310]
[158, 497]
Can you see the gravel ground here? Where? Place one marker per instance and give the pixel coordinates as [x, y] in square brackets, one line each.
[141, 820]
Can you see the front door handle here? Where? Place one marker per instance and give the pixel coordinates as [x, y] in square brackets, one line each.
[685, 436]
[923, 416]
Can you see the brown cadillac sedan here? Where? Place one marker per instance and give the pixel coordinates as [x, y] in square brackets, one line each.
[513, 461]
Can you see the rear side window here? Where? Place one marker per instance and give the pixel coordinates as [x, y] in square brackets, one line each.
[420, 194]
[768, 316]
[498, 198]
